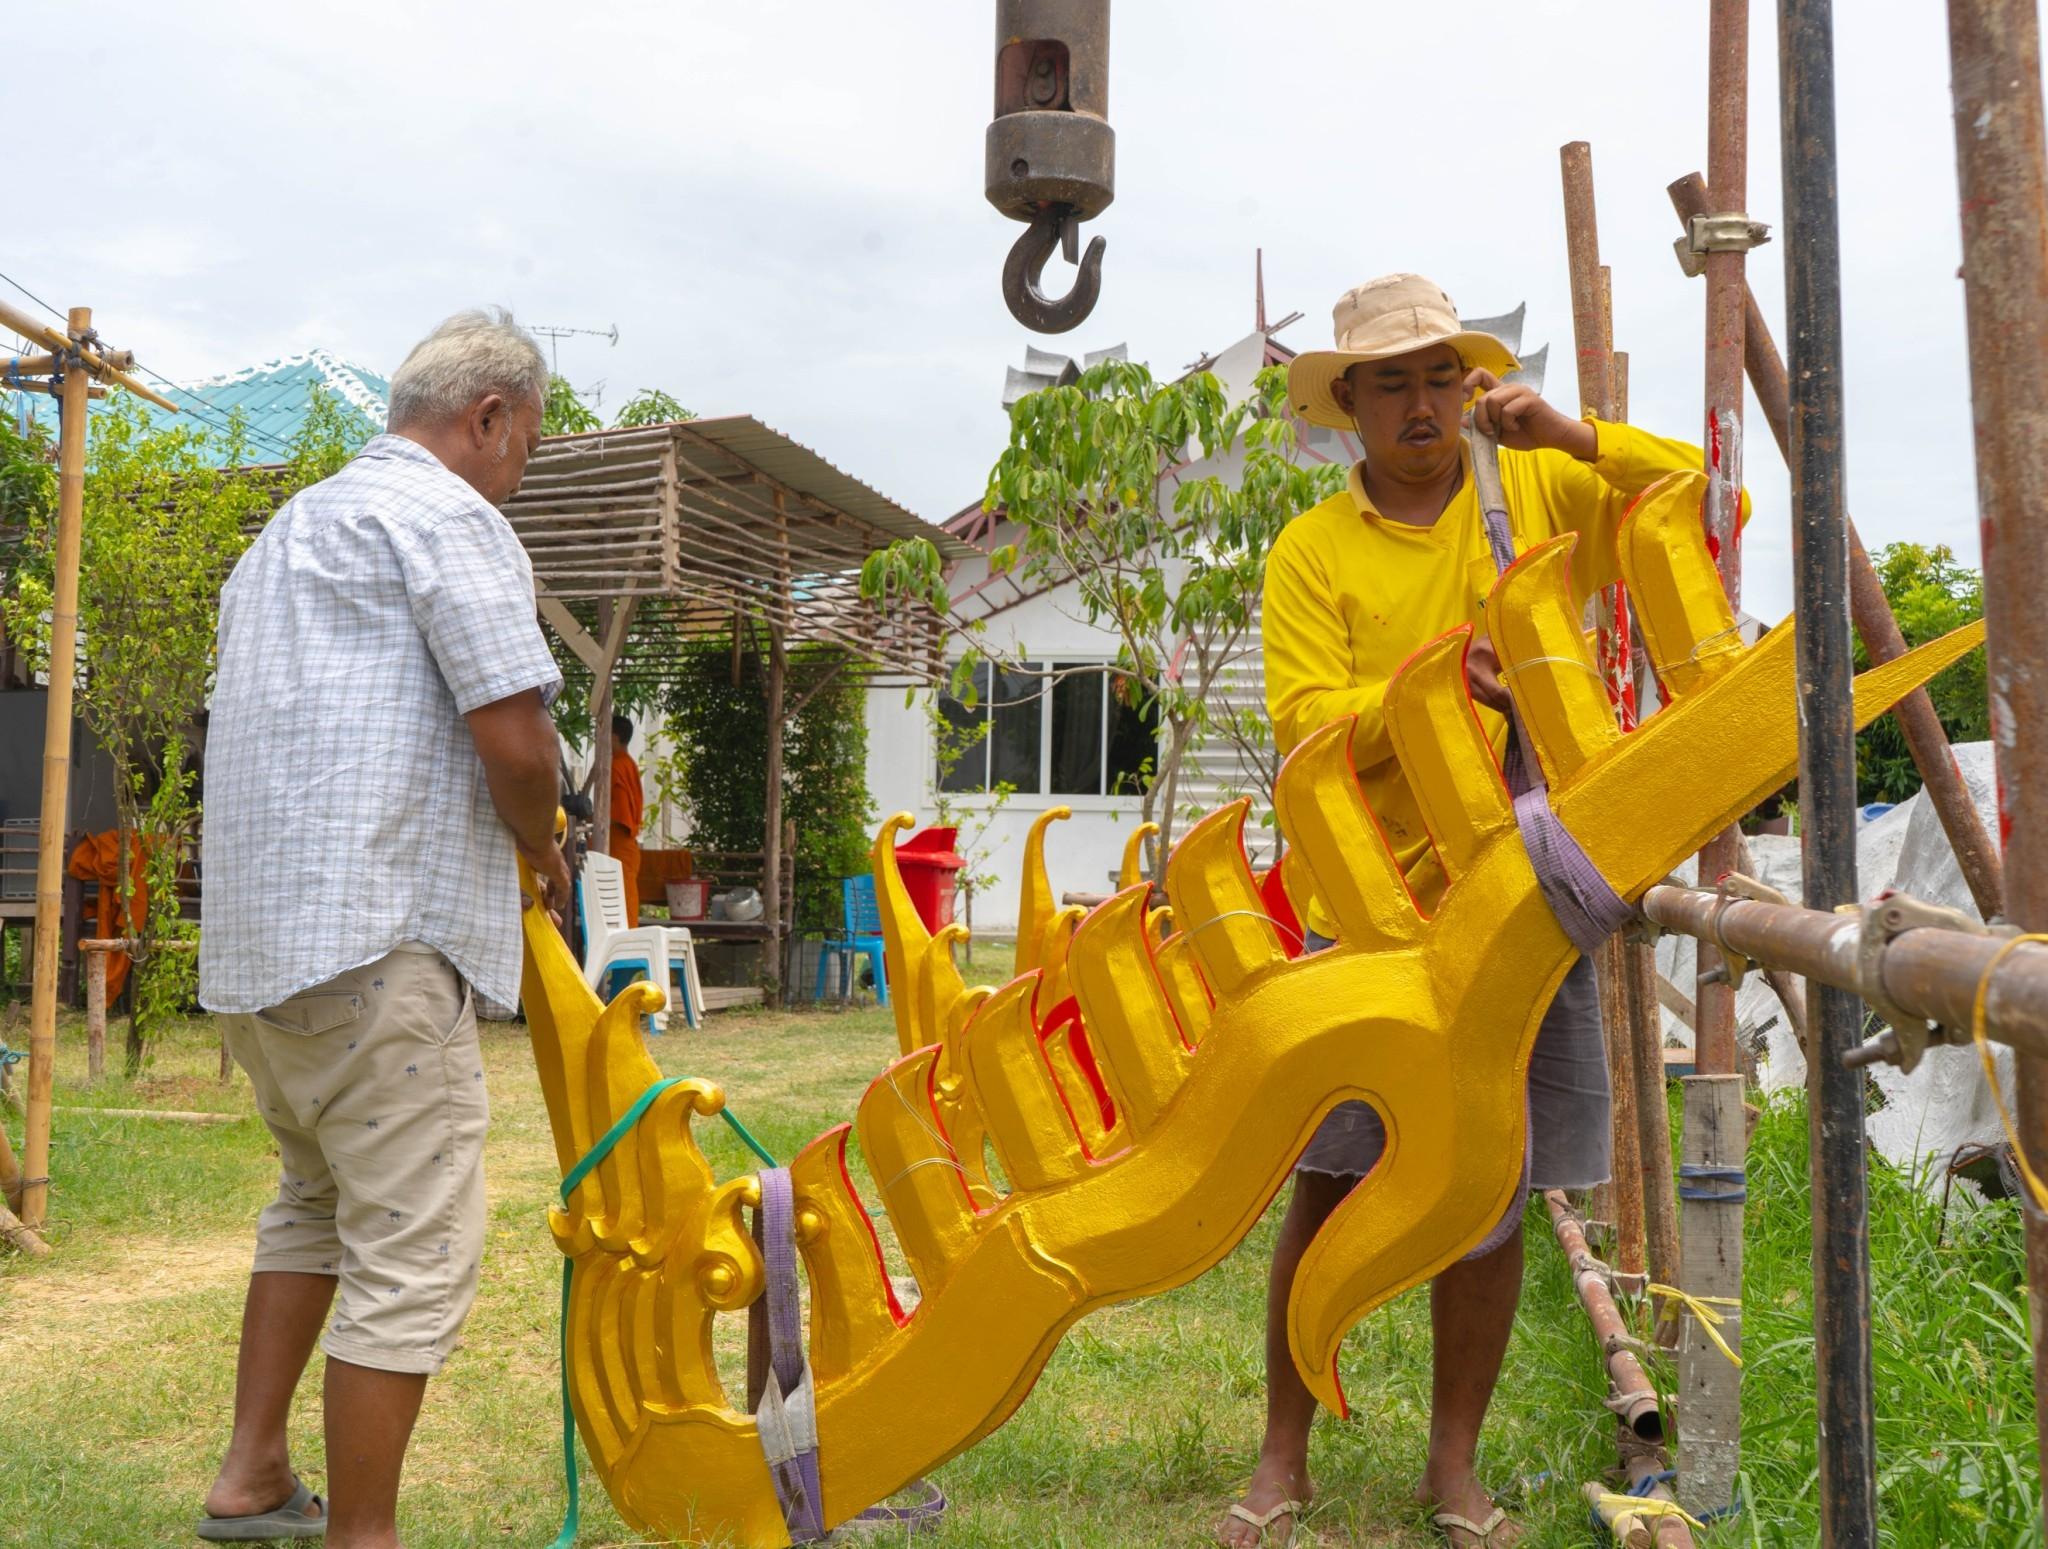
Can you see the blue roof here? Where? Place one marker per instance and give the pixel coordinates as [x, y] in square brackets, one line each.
[273, 398]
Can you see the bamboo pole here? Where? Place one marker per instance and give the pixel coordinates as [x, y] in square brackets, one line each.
[1630, 1395]
[56, 794]
[104, 366]
[1653, 1132]
[169, 1115]
[21, 1237]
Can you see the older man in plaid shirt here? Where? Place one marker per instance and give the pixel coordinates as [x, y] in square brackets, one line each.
[379, 754]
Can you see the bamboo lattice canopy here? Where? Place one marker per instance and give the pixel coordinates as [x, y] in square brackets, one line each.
[705, 519]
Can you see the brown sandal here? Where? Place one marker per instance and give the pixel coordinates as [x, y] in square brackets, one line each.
[1482, 1532]
[1292, 1510]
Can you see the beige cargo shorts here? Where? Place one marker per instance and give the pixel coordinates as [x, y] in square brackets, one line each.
[373, 1086]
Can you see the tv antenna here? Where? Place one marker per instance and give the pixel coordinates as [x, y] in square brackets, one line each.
[555, 336]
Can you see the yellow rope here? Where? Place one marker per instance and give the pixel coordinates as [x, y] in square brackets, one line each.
[1645, 1508]
[1702, 1308]
[1983, 1039]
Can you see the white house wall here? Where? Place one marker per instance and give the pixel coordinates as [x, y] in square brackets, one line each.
[1082, 853]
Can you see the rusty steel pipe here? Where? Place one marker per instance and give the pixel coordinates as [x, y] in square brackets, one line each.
[1927, 972]
[1728, 166]
[1590, 321]
[1632, 1397]
[2002, 167]
[1870, 610]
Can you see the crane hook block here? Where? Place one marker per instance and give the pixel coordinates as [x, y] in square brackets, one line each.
[1051, 155]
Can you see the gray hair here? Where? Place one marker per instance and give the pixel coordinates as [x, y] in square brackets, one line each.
[471, 354]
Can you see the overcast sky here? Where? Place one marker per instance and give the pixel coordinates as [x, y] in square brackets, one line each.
[779, 203]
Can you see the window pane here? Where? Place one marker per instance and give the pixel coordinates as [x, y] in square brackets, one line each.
[1133, 744]
[1077, 733]
[960, 739]
[1018, 703]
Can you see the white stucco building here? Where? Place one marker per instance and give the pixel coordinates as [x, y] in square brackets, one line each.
[1068, 743]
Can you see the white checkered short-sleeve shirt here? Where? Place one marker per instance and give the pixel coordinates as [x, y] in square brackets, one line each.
[346, 809]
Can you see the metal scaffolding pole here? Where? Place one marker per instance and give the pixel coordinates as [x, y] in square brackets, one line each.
[2002, 167]
[1871, 611]
[1724, 264]
[1827, 768]
[1928, 963]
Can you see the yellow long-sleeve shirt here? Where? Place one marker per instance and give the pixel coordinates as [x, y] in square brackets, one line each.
[1350, 595]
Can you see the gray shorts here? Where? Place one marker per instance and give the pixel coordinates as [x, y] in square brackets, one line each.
[1571, 1140]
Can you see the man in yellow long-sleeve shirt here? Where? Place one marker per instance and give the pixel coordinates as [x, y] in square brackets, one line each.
[1353, 587]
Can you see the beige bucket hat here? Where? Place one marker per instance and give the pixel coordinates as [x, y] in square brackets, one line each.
[1388, 316]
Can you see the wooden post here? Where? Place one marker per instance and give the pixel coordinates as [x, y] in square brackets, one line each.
[95, 1015]
[771, 866]
[601, 741]
[1593, 336]
[1710, 1427]
[614, 618]
[1711, 1385]
[56, 796]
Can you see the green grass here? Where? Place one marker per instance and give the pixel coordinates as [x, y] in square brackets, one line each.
[117, 1355]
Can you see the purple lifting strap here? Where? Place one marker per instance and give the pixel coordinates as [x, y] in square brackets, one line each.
[789, 1440]
[1589, 910]
[788, 1420]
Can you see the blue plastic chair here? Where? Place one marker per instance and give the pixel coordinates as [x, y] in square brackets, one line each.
[861, 936]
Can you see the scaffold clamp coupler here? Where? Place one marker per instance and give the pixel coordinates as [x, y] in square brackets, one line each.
[1907, 1037]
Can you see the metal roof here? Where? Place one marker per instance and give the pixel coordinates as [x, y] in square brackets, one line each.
[273, 400]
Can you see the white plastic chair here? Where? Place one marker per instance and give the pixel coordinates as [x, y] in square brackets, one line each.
[613, 943]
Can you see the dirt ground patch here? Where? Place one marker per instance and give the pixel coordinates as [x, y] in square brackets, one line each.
[136, 1269]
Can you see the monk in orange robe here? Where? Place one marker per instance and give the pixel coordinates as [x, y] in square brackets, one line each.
[97, 858]
[629, 805]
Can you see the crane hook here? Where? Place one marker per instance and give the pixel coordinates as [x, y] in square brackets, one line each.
[1056, 226]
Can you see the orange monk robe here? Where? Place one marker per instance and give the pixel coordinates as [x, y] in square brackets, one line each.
[629, 805]
[96, 858]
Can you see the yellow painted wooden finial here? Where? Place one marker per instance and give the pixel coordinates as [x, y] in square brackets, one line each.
[1144, 1124]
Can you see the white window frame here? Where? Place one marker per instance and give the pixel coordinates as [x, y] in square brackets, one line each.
[1039, 801]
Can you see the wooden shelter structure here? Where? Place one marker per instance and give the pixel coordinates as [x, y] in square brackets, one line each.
[646, 539]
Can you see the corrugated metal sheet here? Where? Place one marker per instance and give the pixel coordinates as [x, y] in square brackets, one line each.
[273, 400]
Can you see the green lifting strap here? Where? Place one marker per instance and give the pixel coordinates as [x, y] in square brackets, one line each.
[597, 1153]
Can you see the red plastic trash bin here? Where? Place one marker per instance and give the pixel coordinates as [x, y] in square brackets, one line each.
[930, 872]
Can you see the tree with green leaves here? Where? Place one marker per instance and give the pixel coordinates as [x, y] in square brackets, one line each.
[1931, 593]
[168, 509]
[1171, 566]
[717, 725]
[563, 411]
[650, 406]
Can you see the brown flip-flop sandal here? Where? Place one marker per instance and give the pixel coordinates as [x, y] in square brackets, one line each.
[1482, 1532]
[1265, 1520]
